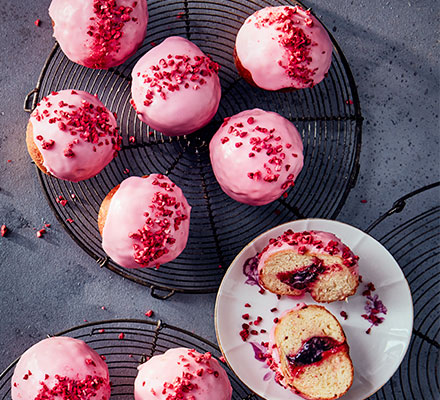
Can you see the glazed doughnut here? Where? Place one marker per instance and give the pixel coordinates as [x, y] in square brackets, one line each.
[283, 47]
[144, 222]
[61, 368]
[256, 155]
[182, 373]
[71, 135]
[176, 88]
[313, 261]
[99, 33]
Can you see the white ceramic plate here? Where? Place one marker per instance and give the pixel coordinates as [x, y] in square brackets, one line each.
[376, 356]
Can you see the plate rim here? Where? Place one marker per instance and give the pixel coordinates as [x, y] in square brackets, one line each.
[228, 271]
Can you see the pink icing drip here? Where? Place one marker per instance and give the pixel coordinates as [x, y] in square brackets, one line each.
[312, 242]
[99, 33]
[181, 373]
[75, 133]
[284, 47]
[256, 155]
[175, 89]
[60, 367]
[147, 222]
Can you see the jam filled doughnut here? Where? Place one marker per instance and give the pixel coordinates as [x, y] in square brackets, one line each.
[283, 48]
[256, 155]
[144, 222]
[310, 355]
[182, 373]
[60, 368]
[176, 88]
[314, 261]
[99, 33]
[71, 135]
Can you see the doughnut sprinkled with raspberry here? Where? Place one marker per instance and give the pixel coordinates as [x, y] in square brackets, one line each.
[256, 155]
[182, 373]
[311, 261]
[99, 33]
[283, 48]
[144, 222]
[72, 135]
[176, 88]
[60, 368]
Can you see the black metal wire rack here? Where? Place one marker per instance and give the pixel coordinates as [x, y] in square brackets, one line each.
[327, 116]
[142, 339]
[414, 243]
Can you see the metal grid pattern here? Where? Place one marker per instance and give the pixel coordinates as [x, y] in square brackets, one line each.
[142, 339]
[415, 245]
[327, 116]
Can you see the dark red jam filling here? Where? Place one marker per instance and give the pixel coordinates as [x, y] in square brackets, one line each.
[303, 278]
[312, 351]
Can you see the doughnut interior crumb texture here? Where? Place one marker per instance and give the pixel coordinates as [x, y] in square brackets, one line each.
[335, 285]
[35, 154]
[326, 380]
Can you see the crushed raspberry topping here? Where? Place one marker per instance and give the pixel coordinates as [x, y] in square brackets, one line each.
[166, 213]
[70, 389]
[264, 141]
[294, 40]
[307, 241]
[106, 28]
[88, 123]
[176, 72]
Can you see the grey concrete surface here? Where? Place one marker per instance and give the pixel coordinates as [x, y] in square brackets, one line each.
[50, 284]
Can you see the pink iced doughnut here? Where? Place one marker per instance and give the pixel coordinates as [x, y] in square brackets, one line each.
[144, 222]
[182, 374]
[99, 33]
[283, 47]
[175, 89]
[60, 368]
[72, 135]
[256, 155]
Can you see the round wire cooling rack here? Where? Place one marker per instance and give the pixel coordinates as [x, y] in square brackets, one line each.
[327, 116]
[414, 242]
[142, 339]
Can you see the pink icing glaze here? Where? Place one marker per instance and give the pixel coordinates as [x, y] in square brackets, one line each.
[256, 155]
[314, 242]
[60, 368]
[99, 33]
[185, 374]
[284, 47]
[134, 239]
[175, 89]
[75, 133]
